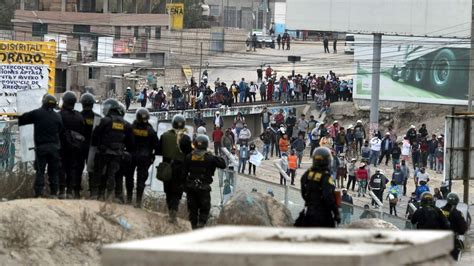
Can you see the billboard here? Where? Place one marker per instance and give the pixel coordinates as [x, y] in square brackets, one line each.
[414, 69]
[177, 15]
[61, 44]
[25, 65]
[448, 18]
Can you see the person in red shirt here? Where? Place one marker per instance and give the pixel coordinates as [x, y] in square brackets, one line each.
[268, 72]
[424, 152]
[362, 175]
[280, 118]
[270, 88]
[217, 135]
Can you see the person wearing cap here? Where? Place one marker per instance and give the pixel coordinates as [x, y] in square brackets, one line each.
[347, 209]
[412, 134]
[351, 168]
[334, 129]
[359, 134]
[386, 148]
[218, 120]
[377, 184]
[217, 136]
[375, 147]
[128, 97]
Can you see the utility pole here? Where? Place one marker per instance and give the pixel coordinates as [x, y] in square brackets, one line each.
[200, 66]
[471, 64]
[375, 92]
[265, 10]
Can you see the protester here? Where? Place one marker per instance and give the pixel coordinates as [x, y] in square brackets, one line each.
[348, 208]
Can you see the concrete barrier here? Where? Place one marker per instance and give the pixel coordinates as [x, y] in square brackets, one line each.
[266, 246]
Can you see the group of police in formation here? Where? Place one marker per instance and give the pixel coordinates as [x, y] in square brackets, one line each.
[63, 141]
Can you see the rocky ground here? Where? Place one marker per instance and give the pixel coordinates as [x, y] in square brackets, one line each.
[58, 232]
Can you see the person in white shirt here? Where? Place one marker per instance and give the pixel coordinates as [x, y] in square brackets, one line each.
[422, 175]
[375, 146]
[244, 135]
[253, 91]
[406, 148]
[218, 120]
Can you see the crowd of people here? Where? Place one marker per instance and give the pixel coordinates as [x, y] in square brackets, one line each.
[323, 90]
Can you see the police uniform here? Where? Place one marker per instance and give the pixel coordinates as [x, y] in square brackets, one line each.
[47, 126]
[111, 137]
[174, 154]
[146, 142]
[199, 168]
[72, 140]
[428, 216]
[457, 224]
[317, 189]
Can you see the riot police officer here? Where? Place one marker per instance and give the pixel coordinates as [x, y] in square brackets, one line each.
[456, 221]
[47, 127]
[72, 140]
[111, 137]
[175, 154]
[87, 102]
[199, 168]
[146, 142]
[317, 189]
[428, 216]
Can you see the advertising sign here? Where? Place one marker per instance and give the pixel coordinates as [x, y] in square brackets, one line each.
[25, 65]
[414, 69]
[447, 18]
[177, 15]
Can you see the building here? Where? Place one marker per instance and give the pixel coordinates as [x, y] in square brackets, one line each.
[92, 30]
[243, 13]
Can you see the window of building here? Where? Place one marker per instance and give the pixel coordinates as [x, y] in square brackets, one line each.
[39, 29]
[214, 11]
[148, 32]
[143, 6]
[230, 16]
[157, 32]
[94, 73]
[31, 4]
[136, 31]
[129, 6]
[117, 32]
[81, 30]
[114, 6]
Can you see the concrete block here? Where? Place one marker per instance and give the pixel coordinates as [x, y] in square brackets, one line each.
[267, 246]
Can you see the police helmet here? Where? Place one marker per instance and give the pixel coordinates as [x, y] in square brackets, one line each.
[201, 142]
[87, 100]
[49, 101]
[427, 199]
[111, 105]
[142, 115]
[452, 199]
[178, 121]
[69, 99]
[322, 157]
[122, 110]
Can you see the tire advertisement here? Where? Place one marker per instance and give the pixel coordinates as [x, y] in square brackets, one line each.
[414, 69]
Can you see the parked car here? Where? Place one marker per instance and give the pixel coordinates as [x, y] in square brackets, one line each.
[267, 41]
[349, 44]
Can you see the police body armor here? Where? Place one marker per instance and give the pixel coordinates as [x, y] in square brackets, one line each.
[142, 134]
[170, 148]
[112, 143]
[200, 171]
[314, 187]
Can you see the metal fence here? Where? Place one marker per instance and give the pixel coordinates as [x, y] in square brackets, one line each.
[16, 178]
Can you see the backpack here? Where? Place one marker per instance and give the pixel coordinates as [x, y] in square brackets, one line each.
[163, 171]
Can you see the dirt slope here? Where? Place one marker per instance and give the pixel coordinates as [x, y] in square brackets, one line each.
[58, 232]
